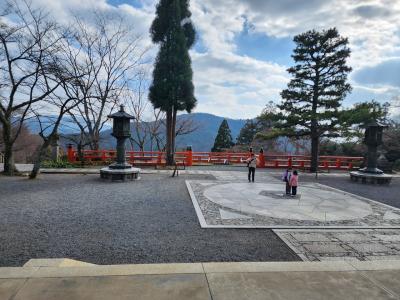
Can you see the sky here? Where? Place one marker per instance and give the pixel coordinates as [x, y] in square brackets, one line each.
[244, 47]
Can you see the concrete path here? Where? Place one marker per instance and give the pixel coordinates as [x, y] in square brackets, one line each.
[218, 281]
[25, 168]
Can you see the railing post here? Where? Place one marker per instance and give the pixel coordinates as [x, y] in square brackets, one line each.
[132, 157]
[189, 156]
[338, 163]
[70, 153]
[159, 158]
[261, 159]
[289, 162]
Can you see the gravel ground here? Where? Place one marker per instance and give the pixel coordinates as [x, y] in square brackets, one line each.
[148, 221]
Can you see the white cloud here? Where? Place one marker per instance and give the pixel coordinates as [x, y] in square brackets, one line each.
[371, 25]
[234, 85]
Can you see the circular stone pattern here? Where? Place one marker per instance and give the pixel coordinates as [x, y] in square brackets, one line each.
[315, 203]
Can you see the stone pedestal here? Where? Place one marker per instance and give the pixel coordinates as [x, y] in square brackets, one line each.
[127, 174]
[373, 178]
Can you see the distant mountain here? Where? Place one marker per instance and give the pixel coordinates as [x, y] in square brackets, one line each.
[67, 126]
[202, 139]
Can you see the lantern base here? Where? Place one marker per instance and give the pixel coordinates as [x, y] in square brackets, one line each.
[373, 178]
[128, 174]
[370, 170]
[120, 166]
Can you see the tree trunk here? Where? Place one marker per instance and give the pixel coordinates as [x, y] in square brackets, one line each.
[95, 142]
[9, 164]
[38, 161]
[168, 147]
[173, 130]
[80, 153]
[314, 153]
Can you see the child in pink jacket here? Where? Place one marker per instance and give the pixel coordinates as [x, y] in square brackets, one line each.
[293, 182]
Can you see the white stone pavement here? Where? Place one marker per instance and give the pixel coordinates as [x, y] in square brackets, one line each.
[231, 203]
[64, 280]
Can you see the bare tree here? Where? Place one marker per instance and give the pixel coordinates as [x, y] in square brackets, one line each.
[49, 125]
[26, 68]
[25, 145]
[109, 54]
[185, 125]
[136, 100]
[156, 129]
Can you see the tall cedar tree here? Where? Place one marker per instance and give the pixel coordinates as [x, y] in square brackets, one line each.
[314, 95]
[248, 132]
[172, 89]
[223, 140]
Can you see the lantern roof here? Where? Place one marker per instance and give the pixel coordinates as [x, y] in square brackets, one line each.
[121, 114]
[375, 123]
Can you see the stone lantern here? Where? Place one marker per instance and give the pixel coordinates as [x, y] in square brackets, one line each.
[120, 169]
[372, 139]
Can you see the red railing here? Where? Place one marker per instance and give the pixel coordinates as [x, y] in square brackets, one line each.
[189, 158]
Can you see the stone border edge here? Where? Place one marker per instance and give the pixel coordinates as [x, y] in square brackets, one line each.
[199, 213]
[196, 268]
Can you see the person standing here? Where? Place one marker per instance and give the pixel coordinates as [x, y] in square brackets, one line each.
[251, 164]
[286, 178]
[294, 182]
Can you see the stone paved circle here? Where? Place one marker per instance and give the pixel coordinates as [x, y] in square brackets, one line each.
[233, 204]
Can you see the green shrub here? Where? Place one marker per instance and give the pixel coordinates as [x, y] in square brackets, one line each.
[396, 165]
[56, 164]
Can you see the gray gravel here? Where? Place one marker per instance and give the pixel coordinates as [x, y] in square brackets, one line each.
[148, 221]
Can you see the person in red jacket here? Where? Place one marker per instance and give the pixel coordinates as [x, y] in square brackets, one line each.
[293, 182]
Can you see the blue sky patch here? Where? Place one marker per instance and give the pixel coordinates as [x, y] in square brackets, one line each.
[263, 47]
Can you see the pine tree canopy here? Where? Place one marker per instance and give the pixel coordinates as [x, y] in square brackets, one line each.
[172, 87]
[223, 140]
[247, 133]
[314, 95]
[355, 118]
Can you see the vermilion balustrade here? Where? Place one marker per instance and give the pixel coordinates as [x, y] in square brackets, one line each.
[189, 158]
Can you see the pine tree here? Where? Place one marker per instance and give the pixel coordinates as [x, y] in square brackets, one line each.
[223, 140]
[314, 95]
[247, 133]
[172, 89]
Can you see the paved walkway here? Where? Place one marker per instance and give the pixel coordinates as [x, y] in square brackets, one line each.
[211, 281]
[334, 245]
[24, 168]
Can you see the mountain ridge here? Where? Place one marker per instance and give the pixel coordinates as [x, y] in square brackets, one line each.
[202, 139]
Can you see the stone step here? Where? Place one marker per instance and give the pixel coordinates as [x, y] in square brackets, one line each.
[56, 262]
